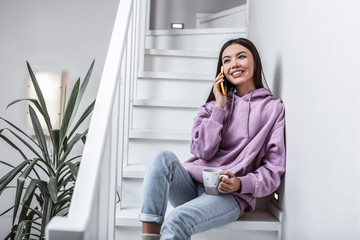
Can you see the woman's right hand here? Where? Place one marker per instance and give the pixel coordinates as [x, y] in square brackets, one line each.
[220, 99]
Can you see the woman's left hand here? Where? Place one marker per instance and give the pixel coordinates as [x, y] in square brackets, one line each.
[229, 185]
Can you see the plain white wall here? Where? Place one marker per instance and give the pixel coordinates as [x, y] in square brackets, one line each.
[165, 12]
[69, 34]
[310, 51]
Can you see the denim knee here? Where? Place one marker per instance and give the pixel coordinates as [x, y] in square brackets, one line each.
[162, 159]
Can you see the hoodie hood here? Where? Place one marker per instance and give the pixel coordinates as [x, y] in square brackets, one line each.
[259, 93]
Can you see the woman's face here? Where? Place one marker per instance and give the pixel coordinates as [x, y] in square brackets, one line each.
[238, 64]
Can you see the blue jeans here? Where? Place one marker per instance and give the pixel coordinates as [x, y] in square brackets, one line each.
[194, 210]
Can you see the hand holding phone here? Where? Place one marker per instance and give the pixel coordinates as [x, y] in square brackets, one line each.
[222, 84]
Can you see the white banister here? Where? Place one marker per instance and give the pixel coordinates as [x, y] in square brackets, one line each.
[92, 211]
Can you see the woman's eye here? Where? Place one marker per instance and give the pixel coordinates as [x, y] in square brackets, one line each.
[241, 57]
[226, 60]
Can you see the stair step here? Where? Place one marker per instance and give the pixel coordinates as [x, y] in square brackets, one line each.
[197, 31]
[261, 220]
[178, 76]
[181, 53]
[166, 103]
[159, 134]
[134, 171]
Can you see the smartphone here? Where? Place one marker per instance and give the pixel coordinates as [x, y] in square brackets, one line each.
[223, 84]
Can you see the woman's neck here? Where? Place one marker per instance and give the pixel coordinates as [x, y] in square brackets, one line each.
[243, 90]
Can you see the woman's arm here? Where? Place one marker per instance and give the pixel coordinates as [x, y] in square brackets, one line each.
[206, 132]
[266, 179]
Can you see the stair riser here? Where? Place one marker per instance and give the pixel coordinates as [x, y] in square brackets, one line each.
[177, 64]
[203, 42]
[132, 192]
[177, 90]
[163, 118]
[140, 150]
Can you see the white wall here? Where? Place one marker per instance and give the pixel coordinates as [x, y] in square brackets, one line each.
[310, 51]
[165, 12]
[67, 33]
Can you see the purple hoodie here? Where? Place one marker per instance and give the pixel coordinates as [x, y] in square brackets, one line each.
[246, 138]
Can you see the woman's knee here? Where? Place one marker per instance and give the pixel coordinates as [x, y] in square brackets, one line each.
[163, 157]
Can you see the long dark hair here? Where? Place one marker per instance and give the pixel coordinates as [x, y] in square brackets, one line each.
[257, 65]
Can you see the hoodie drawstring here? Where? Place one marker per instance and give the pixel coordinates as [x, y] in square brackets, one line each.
[247, 117]
[231, 111]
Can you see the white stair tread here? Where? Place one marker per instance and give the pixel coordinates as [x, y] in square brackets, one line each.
[159, 134]
[197, 31]
[257, 220]
[178, 76]
[134, 171]
[166, 103]
[181, 53]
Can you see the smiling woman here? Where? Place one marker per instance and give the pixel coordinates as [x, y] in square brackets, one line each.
[244, 57]
[241, 134]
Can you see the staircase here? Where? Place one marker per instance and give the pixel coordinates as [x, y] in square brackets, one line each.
[173, 80]
[150, 91]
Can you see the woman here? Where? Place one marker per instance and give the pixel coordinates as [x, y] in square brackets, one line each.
[241, 132]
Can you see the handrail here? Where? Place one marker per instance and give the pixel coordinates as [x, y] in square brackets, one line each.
[84, 214]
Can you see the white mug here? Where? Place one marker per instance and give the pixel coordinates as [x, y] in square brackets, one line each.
[211, 180]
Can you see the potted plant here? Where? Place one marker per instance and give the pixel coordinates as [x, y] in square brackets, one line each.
[45, 181]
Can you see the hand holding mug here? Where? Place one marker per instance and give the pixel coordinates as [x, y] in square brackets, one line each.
[211, 180]
[230, 184]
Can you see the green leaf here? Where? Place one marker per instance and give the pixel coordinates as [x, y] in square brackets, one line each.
[30, 190]
[85, 82]
[38, 91]
[7, 164]
[8, 141]
[24, 142]
[83, 87]
[85, 114]
[42, 185]
[26, 202]
[74, 105]
[5, 180]
[47, 214]
[37, 105]
[56, 146]
[39, 133]
[18, 129]
[72, 143]
[66, 122]
[74, 169]
[72, 159]
[19, 230]
[20, 186]
[6, 211]
[52, 187]
[29, 226]
[63, 106]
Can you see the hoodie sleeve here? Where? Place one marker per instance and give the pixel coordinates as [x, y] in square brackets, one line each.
[206, 132]
[266, 179]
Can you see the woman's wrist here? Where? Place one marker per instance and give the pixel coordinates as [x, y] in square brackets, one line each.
[239, 190]
[219, 105]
